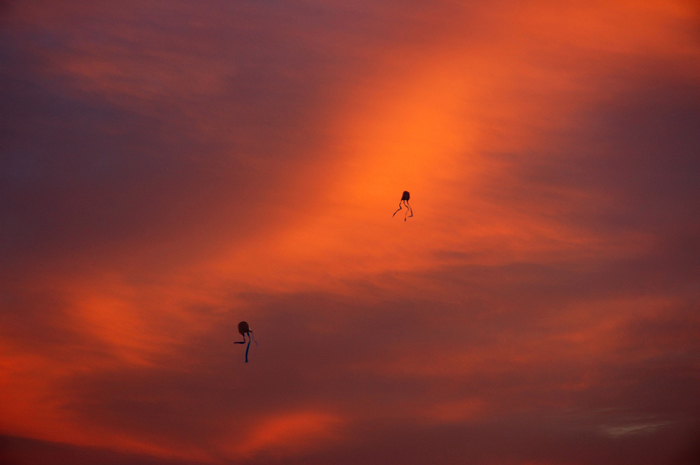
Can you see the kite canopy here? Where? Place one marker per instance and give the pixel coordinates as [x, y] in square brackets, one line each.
[243, 327]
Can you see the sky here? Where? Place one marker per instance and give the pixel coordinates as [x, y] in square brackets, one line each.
[170, 168]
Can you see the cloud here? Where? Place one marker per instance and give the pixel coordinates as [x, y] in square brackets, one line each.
[290, 434]
[168, 172]
[22, 451]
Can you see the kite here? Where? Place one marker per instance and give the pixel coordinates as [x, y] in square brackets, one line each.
[244, 329]
[404, 201]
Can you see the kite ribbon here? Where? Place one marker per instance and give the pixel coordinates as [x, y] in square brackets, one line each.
[250, 339]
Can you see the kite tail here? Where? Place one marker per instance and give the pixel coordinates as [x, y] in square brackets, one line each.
[247, 348]
[397, 210]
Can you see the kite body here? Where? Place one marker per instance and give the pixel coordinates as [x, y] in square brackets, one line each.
[405, 197]
[244, 329]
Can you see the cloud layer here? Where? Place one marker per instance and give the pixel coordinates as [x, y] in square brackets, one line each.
[169, 169]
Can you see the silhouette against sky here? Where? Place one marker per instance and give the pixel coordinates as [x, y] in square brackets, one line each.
[405, 197]
[244, 330]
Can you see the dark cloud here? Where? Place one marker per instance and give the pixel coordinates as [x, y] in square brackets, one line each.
[87, 170]
[22, 451]
[628, 166]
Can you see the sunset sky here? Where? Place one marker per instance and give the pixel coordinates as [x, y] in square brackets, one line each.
[169, 168]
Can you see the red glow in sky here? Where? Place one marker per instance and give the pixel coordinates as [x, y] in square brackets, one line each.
[172, 168]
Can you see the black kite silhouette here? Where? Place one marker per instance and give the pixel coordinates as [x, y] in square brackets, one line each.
[404, 201]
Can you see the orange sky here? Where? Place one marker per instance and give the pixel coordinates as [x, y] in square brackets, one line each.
[169, 169]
